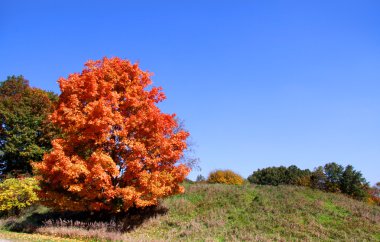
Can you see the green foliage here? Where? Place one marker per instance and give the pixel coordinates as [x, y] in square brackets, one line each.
[225, 177]
[25, 132]
[295, 174]
[318, 179]
[353, 183]
[333, 173]
[331, 178]
[269, 176]
[188, 181]
[304, 181]
[17, 194]
[334, 178]
[279, 175]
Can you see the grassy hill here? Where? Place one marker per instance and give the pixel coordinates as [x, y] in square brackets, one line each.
[214, 212]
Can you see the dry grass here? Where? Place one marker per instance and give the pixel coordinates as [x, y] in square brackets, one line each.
[12, 236]
[80, 233]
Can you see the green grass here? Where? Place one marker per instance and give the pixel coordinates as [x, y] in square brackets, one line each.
[214, 212]
[264, 213]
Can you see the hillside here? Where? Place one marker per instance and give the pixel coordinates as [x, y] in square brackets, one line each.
[214, 212]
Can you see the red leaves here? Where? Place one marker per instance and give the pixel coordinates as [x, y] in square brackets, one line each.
[119, 149]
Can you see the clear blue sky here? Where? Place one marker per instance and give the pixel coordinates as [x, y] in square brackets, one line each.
[258, 83]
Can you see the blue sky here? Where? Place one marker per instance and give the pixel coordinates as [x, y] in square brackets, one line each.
[258, 83]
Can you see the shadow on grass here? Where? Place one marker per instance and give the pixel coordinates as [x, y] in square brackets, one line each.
[121, 222]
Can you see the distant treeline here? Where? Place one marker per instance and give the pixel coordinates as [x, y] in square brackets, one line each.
[331, 177]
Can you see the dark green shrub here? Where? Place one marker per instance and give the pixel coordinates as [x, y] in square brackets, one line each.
[278, 175]
[353, 183]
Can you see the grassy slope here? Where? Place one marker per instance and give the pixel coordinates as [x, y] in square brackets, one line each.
[225, 213]
[228, 213]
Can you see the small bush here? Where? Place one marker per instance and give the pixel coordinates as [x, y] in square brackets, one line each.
[17, 194]
[225, 177]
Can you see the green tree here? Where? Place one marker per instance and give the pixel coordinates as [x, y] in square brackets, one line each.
[333, 173]
[25, 132]
[353, 183]
[269, 176]
[318, 179]
[294, 174]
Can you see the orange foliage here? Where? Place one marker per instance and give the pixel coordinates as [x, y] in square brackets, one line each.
[119, 150]
[374, 194]
[225, 177]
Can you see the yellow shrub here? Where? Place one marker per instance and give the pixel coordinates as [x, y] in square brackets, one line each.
[16, 194]
[225, 177]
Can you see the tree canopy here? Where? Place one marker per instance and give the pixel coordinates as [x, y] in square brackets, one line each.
[119, 150]
[25, 132]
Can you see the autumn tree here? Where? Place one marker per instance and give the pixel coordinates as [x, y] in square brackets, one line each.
[374, 193]
[25, 132]
[119, 150]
